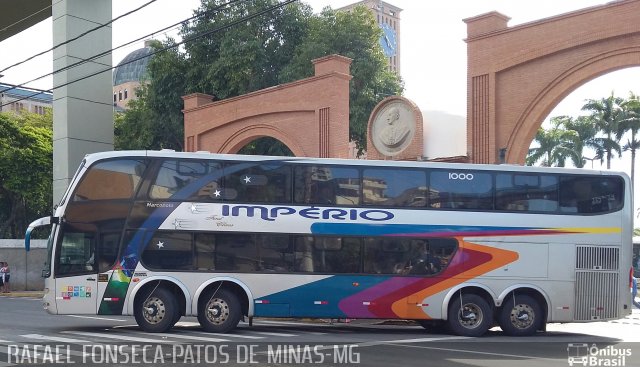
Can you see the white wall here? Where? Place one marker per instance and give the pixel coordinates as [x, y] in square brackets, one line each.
[445, 135]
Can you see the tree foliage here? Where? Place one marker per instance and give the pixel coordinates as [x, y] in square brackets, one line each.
[608, 122]
[554, 146]
[354, 35]
[607, 115]
[259, 53]
[26, 161]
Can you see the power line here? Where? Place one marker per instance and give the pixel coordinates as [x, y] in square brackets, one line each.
[78, 36]
[36, 89]
[25, 18]
[236, 22]
[116, 48]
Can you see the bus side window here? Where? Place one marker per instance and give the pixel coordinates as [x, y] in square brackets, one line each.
[591, 195]
[275, 253]
[326, 185]
[108, 250]
[236, 252]
[77, 251]
[169, 251]
[304, 254]
[260, 183]
[205, 251]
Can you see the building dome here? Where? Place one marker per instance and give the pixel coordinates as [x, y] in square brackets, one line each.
[128, 71]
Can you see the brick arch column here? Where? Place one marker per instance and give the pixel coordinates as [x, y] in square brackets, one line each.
[310, 116]
[517, 75]
[529, 122]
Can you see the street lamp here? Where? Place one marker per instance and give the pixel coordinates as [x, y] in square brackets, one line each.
[591, 159]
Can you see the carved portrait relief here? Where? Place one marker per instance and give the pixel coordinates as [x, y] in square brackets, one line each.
[393, 128]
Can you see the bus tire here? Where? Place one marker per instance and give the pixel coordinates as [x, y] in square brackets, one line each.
[219, 312]
[156, 312]
[521, 316]
[469, 315]
[176, 317]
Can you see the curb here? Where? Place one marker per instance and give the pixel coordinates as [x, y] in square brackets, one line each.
[23, 294]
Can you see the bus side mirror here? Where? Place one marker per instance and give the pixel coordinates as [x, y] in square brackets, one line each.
[44, 221]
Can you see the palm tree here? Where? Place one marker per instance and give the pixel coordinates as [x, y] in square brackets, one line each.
[554, 147]
[584, 136]
[631, 123]
[606, 114]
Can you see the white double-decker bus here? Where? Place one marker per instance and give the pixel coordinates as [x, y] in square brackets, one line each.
[161, 235]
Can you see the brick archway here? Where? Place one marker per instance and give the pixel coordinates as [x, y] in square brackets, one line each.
[517, 75]
[310, 116]
[252, 132]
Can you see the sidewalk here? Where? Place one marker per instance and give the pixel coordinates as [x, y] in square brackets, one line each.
[30, 294]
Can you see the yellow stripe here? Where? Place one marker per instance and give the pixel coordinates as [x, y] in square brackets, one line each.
[594, 230]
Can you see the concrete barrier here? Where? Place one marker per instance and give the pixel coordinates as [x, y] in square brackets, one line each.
[26, 267]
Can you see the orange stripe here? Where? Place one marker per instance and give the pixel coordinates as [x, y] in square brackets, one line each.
[499, 258]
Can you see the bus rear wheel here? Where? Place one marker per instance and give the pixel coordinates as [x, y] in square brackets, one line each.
[520, 316]
[219, 312]
[469, 315]
[156, 312]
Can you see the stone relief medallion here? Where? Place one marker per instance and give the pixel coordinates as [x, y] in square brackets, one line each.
[393, 128]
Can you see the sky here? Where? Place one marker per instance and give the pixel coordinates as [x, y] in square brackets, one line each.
[432, 38]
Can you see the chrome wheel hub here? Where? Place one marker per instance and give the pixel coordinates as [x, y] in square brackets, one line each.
[154, 310]
[470, 316]
[522, 316]
[217, 311]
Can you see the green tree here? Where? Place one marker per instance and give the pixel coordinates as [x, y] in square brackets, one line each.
[631, 124]
[26, 161]
[154, 120]
[355, 35]
[266, 146]
[607, 114]
[554, 146]
[584, 136]
[227, 63]
[263, 52]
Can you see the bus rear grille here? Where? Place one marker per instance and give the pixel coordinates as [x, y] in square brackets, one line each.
[596, 295]
[597, 258]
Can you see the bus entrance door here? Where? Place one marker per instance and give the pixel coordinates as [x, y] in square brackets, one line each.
[76, 273]
[77, 294]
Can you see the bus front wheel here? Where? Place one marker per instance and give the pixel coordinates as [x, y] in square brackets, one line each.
[156, 312]
[469, 315]
[520, 316]
[219, 312]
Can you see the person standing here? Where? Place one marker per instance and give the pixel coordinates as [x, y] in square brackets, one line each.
[6, 274]
[634, 291]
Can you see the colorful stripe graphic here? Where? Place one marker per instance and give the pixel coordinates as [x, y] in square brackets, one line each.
[373, 296]
[426, 231]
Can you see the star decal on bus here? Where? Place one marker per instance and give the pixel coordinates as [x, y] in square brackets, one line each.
[217, 193]
[182, 223]
[160, 244]
[247, 179]
[196, 208]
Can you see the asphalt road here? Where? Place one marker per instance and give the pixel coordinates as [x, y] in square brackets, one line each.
[30, 336]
